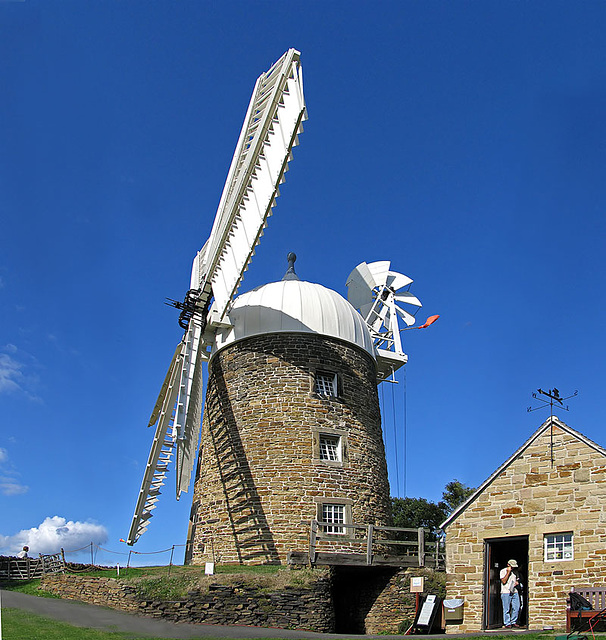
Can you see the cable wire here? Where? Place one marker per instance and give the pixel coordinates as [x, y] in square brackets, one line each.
[405, 429]
[395, 437]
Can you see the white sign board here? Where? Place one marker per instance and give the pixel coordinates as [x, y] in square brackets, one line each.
[209, 568]
[426, 611]
[416, 584]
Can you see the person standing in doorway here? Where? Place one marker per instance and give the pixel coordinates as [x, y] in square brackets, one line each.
[509, 594]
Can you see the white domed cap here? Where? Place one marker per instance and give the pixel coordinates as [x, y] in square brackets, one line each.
[294, 306]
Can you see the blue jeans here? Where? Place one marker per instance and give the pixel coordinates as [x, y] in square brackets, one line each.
[511, 607]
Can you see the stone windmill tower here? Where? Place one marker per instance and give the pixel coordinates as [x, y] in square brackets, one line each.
[291, 429]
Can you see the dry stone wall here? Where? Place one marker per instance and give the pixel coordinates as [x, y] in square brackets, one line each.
[309, 608]
[259, 479]
[105, 592]
[378, 600]
[534, 497]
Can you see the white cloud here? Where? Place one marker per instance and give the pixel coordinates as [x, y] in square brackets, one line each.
[53, 534]
[11, 376]
[15, 376]
[9, 485]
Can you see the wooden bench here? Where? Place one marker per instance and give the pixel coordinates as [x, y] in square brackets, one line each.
[597, 598]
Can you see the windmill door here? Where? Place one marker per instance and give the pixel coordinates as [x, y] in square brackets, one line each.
[497, 552]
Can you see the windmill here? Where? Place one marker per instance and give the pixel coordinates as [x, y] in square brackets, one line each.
[270, 131]
[378, 294]
[214, 320]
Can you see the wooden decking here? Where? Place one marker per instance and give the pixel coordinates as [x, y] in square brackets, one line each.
[369, 545]
[354, 560]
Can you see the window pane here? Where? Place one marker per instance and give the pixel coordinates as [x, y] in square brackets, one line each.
[333, 513]
[326, 384]
[559, 546]
[329, 448]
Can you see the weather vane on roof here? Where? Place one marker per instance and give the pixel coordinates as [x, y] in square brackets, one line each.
[554, 396]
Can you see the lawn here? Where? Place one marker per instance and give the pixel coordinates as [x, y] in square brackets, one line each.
[174, 582]
[23, 625]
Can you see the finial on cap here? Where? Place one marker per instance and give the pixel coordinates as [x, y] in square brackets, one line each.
[290, 273]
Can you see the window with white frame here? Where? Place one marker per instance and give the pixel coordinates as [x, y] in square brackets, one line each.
[558, 546]
[333, 515]
[326, 383]
[330, 447]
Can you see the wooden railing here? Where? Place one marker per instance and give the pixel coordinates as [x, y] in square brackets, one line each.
[30, 568]
[381, 545]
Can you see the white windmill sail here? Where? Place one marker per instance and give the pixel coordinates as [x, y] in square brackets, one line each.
[188, 424]
[273, 122]
[270, 131]
[376, 292]
[161, 450]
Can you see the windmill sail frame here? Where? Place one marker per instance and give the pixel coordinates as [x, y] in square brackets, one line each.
[376, 292]
[271, 127]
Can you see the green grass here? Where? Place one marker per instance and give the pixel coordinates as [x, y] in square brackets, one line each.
[173, 583]
[139, 572]
[158, 585]
[23, 625]
[31, 587]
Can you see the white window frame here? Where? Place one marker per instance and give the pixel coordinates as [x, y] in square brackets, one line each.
[326, 384]
[334, 514]
[559, 547]
[330, 445]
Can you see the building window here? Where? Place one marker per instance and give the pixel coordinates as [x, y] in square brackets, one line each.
[326, 383]
[333, 515]
[558, 546]
[330, 448]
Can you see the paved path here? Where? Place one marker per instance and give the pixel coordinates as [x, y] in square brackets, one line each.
[80, 614]
[90, 615]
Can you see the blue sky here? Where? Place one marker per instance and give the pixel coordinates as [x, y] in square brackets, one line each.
[463, 141]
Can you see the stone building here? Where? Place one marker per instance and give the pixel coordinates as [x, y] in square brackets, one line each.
[545, 507]
[291, 430]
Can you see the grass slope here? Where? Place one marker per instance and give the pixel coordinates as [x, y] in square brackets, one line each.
[173, 583]
[23, 625]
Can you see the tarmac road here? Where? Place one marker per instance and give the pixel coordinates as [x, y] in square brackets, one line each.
[93, 616]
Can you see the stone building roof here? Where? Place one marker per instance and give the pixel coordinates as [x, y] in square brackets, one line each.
[546, 425]
[294, 306]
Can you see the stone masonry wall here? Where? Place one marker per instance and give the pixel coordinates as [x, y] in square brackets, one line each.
[290, 608]
[378, 600]
[533, 498]
[104, 592]
[259, 480]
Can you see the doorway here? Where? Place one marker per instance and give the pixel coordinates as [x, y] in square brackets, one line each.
[354, 592]
[497, 552]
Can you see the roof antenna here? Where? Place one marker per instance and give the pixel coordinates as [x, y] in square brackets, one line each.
[290, 273]
[554, 396]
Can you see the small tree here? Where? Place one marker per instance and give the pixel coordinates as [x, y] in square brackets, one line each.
[412, 513]
[455, 494]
